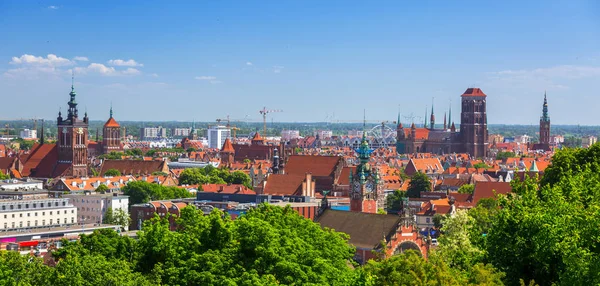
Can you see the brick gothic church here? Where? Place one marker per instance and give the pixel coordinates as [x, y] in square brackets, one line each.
[72, 140]
[472, 138]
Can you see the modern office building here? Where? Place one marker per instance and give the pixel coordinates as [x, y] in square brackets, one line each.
[217, 135]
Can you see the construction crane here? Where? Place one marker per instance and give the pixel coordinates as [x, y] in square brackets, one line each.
[264, 113]
[228, 120]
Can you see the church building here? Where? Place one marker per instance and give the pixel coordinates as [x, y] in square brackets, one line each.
[472, 138]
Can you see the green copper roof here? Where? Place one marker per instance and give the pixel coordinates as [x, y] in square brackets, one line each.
[533, 167]
[545, 116]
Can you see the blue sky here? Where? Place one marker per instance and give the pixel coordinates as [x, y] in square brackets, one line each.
[185, 60]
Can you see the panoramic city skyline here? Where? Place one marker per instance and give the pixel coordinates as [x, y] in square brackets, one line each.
[334, 59]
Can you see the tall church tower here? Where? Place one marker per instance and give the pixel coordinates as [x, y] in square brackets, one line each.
[473, 122]
[545, 126]
[111, 135]
[72, 139]
[366, 188]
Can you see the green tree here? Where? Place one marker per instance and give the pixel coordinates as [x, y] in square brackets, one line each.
[17, 269]
[419, 183]
[481, 165]
[112, 172]
[394, 200]
[466, 189]
[505, 155]
[246, 161]
[112, 156]
[117, 217]
[102, 189]
[142, 192]
[4, 176]
[438, 220]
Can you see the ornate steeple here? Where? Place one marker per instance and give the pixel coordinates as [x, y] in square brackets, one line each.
[545, 117]
[72, 103]
[111, 112]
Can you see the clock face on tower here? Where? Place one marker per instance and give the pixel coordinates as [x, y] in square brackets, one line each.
[369, 186]
[80, 130]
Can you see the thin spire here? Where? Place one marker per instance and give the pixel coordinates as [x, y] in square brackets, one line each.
[425, 119]
[72, 79]
[450, 112]
[111, 111]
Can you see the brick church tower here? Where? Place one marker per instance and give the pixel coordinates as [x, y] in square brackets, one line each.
[473, 122]
[545, 127]
[366, 188]
[72, 139]
[111, 135]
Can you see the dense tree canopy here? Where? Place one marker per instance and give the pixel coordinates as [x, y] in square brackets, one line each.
[212, 175]
[419, 183]
[466, 189]
[394, 200]
[112, 172]
[142, 192]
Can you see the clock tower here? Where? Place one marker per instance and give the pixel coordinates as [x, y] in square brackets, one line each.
[72, 139]
[366, 187]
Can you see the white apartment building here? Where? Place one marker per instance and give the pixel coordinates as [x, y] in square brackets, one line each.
[91, 208]
[32, 213]
[217, 135]
[588, 141]
[323, 134]
[180, 132]
[28, 134]
[287, 135]
[152, 133]
[24, 184]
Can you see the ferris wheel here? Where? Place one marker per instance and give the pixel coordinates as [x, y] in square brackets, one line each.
[382, 134]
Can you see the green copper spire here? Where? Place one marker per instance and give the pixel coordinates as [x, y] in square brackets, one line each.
[364, 154]
[545, 117]
[111, 112]
[533, 167]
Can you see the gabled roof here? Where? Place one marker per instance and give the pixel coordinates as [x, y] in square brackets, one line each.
[133, 167]
[473, 92]
[257, 137]
[41, 162]
[320, 166]
[111, 122]
[365, 230]
[284, 184]
[227, 146]
[490, 189]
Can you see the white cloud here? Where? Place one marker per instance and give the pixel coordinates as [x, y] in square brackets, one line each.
[96, 68]
[248, 63]
[277, 69]
[50, 60]
[125, 63]
[210, 79]
[81, 59]
[53, 7]
[204, 77]
[153, 75]
[550, 78]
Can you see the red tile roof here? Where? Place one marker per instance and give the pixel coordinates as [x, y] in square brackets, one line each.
[288, 184]
[473, 92]
[490, 189]
[344, 178]
[228, 147]
[257, 137]
[319, 166]
[111, 123]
